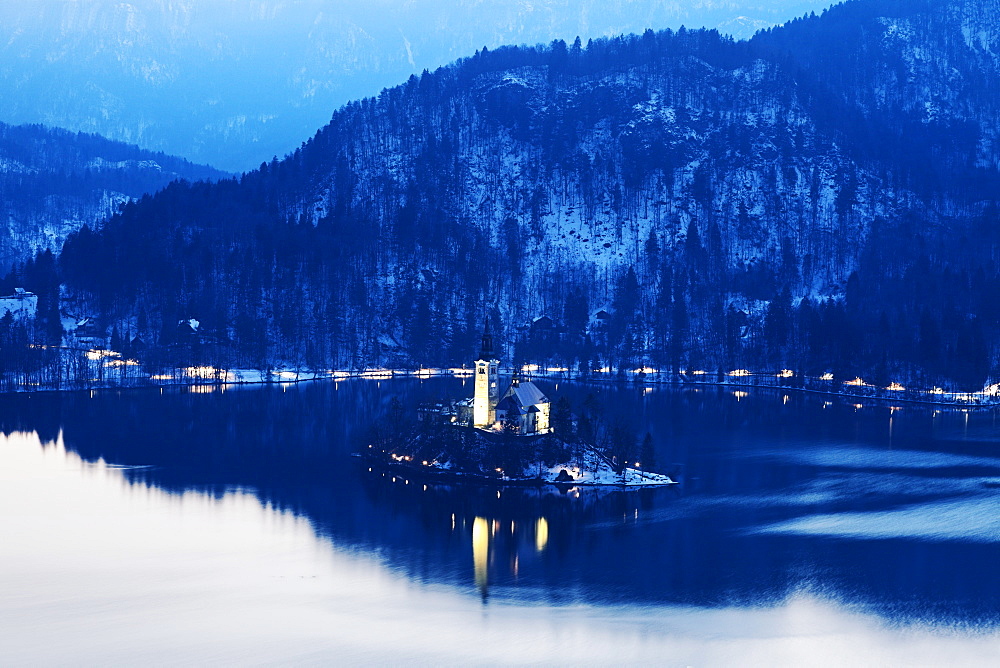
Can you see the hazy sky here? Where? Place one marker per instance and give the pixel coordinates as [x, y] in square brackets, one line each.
[233, 82]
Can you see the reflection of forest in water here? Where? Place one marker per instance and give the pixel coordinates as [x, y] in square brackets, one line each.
[520, 537]
[744, 462]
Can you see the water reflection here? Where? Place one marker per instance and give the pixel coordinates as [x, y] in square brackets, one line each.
[481, 553]
[777, 496]
[542, 533]
[503, 534]
[495, 543]
[99, 568]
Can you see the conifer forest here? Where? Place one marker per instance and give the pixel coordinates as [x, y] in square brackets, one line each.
[820, 198]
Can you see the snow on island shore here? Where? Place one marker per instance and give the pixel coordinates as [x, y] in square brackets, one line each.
[476, 456]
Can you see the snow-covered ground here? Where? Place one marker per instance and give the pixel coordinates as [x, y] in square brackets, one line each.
[596, 470]
[591, 470]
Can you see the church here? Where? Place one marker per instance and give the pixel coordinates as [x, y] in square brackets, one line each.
[524, 408]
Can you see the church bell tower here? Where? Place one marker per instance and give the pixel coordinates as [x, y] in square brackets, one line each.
[487, 395]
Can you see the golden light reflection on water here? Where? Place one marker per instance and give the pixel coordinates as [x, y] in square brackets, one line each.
[541, 534]
[487, 537]
[481, 553]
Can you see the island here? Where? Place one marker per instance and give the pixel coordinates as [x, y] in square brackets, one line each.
[513, 438]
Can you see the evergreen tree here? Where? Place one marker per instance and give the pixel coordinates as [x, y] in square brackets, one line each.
[647, 453]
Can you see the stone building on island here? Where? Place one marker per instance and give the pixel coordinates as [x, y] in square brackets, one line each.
[487, 394]
[523, 408]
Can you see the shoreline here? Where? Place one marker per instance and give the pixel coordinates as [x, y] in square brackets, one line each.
[223, 377]
[446, 476]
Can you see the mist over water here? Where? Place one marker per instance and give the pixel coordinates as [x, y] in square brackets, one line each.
[175, 528]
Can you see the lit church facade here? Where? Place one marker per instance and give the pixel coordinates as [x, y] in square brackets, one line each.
[487, 395]
[524, 408]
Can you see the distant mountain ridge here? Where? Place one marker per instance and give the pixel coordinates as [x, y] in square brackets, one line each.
[785, 203]
[53, 181]
[254, 79]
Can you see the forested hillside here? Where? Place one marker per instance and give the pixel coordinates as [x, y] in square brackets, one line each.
[822, 198]
[234, 82]
[52, 182]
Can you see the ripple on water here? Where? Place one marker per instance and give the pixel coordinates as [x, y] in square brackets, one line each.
[871, 458]
[975, 519]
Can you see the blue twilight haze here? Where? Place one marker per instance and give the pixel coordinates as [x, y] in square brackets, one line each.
[232, 83]
[268, 267]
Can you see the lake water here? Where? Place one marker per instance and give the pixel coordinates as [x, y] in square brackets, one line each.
[232, 526]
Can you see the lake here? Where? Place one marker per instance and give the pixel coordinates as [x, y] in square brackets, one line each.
[231, 525]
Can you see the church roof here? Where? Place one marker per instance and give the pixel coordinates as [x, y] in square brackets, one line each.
[486, 350]
[527, 394]
[510, 405]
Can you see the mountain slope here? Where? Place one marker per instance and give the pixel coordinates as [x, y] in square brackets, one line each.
[256, 78]
[52, 182]
[930, 70]
[729, 204]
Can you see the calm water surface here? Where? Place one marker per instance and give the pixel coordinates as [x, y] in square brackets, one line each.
[232, 526]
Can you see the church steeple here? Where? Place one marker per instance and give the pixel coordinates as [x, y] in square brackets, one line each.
[486, 348]
[484, 402]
